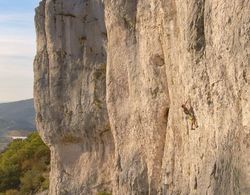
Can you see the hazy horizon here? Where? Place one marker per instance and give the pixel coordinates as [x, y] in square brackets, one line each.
[3, 102]
[17, 49]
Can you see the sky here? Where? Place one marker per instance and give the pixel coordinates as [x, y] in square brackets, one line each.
[17, 49]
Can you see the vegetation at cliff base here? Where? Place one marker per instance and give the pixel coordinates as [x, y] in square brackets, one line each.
[24, 167]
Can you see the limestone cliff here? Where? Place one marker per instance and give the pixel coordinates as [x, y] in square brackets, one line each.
[145, 97]
[70, 72]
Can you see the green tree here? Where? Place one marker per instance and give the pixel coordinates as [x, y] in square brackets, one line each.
[24, 166]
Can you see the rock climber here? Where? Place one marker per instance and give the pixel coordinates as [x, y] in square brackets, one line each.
[191, 116]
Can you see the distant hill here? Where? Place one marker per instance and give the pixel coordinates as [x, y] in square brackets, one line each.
[17, 116]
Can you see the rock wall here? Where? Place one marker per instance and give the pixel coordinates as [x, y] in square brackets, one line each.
[145, 97]
[70, 74]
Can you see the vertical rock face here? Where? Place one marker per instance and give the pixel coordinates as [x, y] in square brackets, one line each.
[137, 94]
[70, 74]
[176, 52]
[110, 93]
[207, 49]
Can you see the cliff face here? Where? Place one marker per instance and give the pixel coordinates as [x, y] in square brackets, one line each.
[70, 74]
[111, 78]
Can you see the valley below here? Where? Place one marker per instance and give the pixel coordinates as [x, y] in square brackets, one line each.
[16, 119]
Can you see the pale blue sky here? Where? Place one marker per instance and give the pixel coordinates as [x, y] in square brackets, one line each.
[17, 49]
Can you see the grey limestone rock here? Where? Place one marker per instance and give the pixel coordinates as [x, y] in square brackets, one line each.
[112, 78]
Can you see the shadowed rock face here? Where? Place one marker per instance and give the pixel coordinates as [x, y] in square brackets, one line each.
[109, 93]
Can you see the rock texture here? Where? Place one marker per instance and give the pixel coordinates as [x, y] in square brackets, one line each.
[70, 72]
[111, 78]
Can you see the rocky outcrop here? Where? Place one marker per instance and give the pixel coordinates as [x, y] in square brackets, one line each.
[70, 74]
[144, 97]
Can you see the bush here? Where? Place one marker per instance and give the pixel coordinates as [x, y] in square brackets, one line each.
[23, 166]
[31, 182]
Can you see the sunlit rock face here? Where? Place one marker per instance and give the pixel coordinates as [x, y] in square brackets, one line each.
[207, 47]
[144, 97]
[70, 91]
